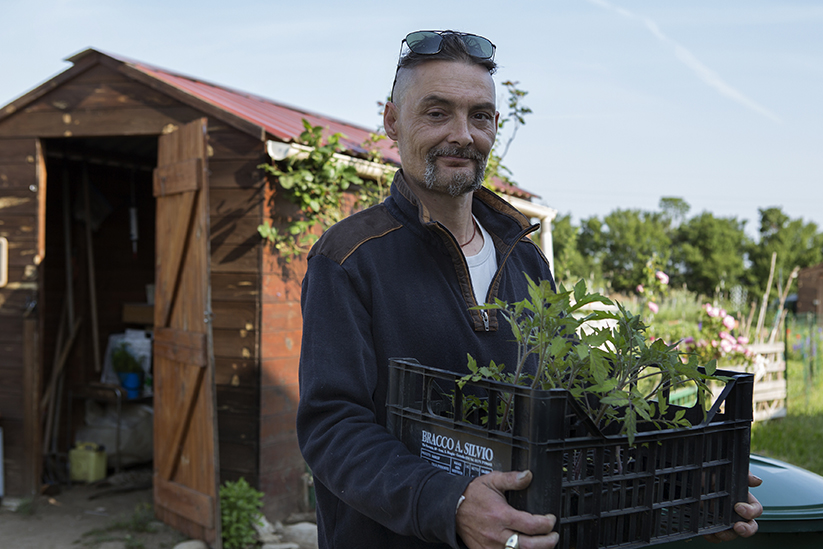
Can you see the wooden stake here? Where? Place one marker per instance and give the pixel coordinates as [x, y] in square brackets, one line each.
[748, 328]
[32, 468]
[761, 318]
[47, 404]
[781, 311]
[60, 361]
[95, 337]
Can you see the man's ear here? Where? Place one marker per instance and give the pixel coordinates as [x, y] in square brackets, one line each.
[390, 116]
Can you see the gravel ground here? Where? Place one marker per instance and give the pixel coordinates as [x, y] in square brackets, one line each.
[70, 520]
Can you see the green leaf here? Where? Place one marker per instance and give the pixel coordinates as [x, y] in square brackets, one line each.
[579, 290]
[287, 181]
[630, 425]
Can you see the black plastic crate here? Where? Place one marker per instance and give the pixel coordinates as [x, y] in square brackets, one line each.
[671, 484]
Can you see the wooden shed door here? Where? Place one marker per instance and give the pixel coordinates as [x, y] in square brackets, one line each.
[186, 465]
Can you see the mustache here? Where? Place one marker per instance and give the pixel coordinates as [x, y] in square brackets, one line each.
[469, 153]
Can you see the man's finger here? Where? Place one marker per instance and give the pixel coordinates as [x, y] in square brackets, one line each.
[514, 480]
[754, 481]
[725, 535]
[745, 529]
[751, 510]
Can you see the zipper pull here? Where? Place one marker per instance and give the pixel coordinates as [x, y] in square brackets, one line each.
[485, 314]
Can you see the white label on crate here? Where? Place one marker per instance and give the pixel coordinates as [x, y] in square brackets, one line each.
[449, 454]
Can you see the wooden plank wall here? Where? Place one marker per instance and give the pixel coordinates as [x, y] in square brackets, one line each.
[256, 375]
[98, 102]
[236, 194]
[19, 205]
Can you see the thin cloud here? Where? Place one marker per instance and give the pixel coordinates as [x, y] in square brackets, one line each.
[704, 73]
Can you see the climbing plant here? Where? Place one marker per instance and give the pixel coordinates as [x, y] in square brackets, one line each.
[316, 183]
[515, 116]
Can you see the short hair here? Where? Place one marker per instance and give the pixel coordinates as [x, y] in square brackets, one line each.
[452, 49]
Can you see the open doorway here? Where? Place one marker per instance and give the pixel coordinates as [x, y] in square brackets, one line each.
[98, 275]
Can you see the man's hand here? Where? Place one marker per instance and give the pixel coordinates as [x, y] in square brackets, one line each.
[748, 511]
[485, 520]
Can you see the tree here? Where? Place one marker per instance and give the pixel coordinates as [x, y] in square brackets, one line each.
[624, 243]
[590, 243]
[708, 253]
[674, 210]
[569, 264]
[796, 243]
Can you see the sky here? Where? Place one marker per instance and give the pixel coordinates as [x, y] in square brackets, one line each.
[717, 103]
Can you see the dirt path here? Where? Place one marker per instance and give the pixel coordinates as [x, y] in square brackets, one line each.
[60, 522]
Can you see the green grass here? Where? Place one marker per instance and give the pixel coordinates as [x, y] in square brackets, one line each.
[798, 437]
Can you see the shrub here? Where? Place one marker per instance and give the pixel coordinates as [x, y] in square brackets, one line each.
[239, 507]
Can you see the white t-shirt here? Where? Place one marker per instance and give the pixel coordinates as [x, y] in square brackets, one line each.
[482, 267]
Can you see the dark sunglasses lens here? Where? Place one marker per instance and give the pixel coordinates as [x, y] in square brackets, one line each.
[424, 43]
[479, 46]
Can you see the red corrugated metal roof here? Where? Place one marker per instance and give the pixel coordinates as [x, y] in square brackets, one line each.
[512, 190]
[280, 121]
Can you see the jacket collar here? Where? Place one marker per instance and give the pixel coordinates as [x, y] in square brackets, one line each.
[507, 225]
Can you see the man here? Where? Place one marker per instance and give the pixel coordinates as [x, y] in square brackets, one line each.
[400, 280]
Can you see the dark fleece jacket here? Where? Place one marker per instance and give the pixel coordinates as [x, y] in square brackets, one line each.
[389, 282]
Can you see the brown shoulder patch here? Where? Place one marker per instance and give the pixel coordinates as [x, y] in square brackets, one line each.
[344, 237]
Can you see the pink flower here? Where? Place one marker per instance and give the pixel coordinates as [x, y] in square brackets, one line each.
[639, 288]
[729, 322]
[653, 307]
[714, 343]
[713, 312]
[722, 312]
[662, 277]
[726, 346]
[743, 340]
[707, 307]
[723, 335]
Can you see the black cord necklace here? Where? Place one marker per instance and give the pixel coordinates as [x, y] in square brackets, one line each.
[474, 233]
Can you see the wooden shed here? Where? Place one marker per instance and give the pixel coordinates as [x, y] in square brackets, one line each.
[109, 144]
[810, 290]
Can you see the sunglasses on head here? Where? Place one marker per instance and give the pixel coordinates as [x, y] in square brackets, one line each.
[430, 42]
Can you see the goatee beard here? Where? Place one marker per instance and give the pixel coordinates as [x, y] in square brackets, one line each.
[461, 182]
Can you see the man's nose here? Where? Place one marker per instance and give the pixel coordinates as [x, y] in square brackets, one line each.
[460, 132]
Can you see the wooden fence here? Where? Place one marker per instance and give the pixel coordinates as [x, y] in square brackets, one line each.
[769, 369]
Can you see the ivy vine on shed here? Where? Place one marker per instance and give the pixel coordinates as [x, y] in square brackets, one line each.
[316, 182]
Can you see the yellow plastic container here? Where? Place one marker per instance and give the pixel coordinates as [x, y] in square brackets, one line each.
[87, 462]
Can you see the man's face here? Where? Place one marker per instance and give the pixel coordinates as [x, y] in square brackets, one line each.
[444, 121]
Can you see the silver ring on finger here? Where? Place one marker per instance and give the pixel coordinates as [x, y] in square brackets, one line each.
[513, 542]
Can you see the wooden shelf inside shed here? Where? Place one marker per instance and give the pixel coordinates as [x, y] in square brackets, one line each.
[138, 313]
